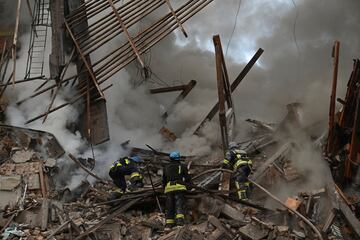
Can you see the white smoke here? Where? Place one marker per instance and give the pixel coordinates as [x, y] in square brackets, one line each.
[281, 76]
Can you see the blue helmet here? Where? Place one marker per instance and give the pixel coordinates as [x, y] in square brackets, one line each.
[175, 156]
[136, 159]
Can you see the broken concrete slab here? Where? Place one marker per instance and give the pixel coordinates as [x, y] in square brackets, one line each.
[233, 213]
[44, 214]
[218, 235]
[210, 206]
[33, 181]
[9, 198]
[9, 182]
[216, 222]
[50, 162]
[22, 156]
[113, 229]
[253, 232]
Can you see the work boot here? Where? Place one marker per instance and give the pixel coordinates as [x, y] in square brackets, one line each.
[139, 184]
[168, 227]
[242, 195]
[116, 194]
[180, 222]
[132, 187]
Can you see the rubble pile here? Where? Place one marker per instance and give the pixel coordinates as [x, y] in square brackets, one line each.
[85, 211]
[300, 184]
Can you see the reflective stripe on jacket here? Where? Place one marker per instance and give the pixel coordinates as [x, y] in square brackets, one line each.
[135, 174]
[120, 163]
[171, 187]
[242, 162]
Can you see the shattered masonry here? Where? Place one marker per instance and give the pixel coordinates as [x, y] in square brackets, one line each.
[304, 184]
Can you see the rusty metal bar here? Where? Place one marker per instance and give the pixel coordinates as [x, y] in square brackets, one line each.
[126, 33]
[74, 15]
[24, 80]
[141, 36]
[85, 62]
[14, 46]
[155, 39]
[138, 38]
[105, 20]
[186, 10]
[335, 55]
[51, 103]
[176, 18]
[72, 101]
[94, 42]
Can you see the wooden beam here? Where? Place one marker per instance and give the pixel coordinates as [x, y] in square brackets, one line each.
[126, 33]
[221, 93]
[168, 89]
[187, 89]
[85, 169]
[234, 85]
[335, 55]
[42, 181]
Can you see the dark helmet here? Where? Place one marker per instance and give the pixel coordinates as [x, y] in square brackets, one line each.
[233, 145]
[175, 156]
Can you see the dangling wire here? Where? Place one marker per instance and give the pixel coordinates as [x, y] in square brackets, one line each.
[234, 27]
[294, 27]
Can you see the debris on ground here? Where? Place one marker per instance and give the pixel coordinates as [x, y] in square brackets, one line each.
[284, 201]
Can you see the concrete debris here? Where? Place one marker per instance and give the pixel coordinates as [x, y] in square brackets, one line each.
[276, 197]
[22, 156]
[9, 182]
[253, 232]
[40, 209]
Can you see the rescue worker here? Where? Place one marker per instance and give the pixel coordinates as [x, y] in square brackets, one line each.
[239, 162]
[175, 179]
[121, 168]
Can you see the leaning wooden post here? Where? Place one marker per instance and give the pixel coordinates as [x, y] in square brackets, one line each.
[335, 55]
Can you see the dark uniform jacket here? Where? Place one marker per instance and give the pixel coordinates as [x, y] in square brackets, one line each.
[175, 177]
[233, 160]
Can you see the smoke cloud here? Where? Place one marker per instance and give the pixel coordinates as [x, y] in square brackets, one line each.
[285, 73]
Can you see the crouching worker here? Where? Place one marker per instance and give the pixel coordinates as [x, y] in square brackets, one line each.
[125, 166]
[239, 161]
[175, 179]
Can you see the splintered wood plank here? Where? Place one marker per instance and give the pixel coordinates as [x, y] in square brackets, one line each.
[225, 183]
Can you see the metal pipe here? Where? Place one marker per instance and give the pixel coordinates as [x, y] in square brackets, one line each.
[107, 19]
[290, 209]
[119, 65]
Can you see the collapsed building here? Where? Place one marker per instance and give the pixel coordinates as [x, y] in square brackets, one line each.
[91, 42]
